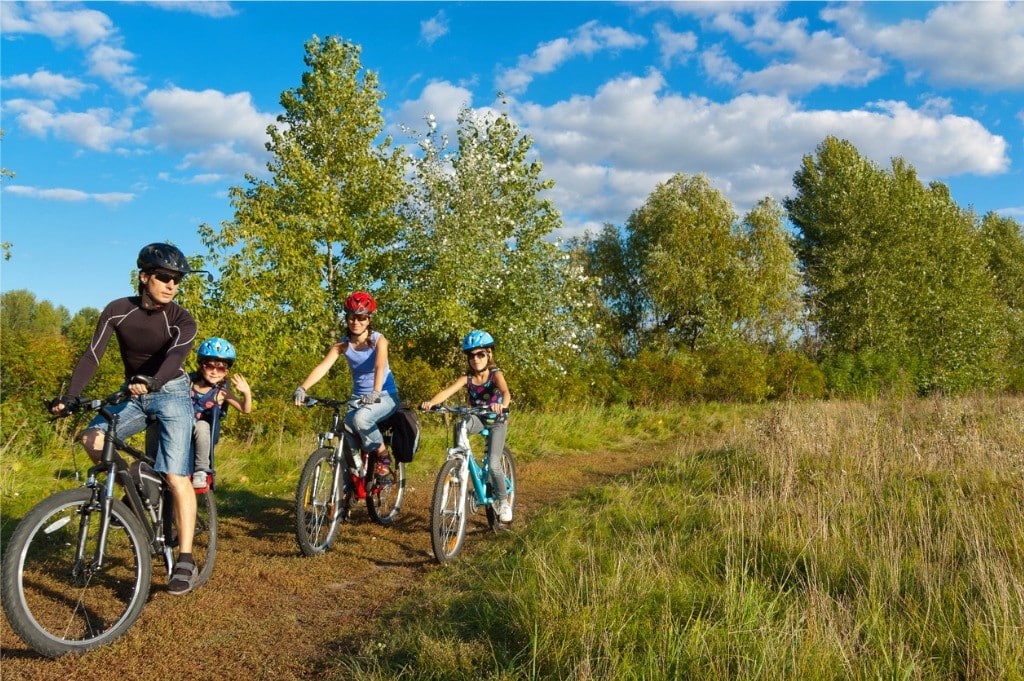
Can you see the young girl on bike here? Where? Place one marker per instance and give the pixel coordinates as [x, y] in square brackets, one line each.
[210, 390]
[486, 387]
[366, 352]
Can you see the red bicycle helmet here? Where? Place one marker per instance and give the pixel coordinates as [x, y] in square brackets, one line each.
[360, 302]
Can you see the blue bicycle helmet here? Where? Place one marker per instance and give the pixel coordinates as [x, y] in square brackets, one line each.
[216, 348]
[477, 339]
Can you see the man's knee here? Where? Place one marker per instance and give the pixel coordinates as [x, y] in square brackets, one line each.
[92, 442]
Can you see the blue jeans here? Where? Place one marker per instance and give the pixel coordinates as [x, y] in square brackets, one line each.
[364, 420]
[497, 432]
[172, 407]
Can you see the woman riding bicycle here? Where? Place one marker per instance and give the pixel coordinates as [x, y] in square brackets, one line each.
[366, 352]
[154, 335]
[486, 387]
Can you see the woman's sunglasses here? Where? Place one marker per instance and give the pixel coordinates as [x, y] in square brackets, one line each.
[477, 355]
[357, 317]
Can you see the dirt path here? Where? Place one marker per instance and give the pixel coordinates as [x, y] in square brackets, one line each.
[270, 613]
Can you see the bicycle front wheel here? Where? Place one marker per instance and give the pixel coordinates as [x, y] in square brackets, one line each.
[448, 512]
[384, 496]
[317, 512]
[56, 597]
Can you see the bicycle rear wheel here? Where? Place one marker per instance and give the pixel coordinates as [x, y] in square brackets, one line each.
[60, 604]
[384, 496]
[448, 512]
[317, 512]
[204, 542]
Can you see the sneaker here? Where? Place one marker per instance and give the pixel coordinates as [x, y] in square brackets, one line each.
[505, 512]
[200, 480]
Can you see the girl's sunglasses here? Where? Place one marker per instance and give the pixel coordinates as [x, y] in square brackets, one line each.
[215, 366]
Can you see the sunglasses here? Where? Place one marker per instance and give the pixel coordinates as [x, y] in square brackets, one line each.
[477, 355]
[215, 366]
[167, 277]
[357, 317]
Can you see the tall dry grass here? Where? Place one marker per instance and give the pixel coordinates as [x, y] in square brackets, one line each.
[821, 541]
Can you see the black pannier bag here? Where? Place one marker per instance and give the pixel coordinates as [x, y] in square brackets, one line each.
[405, 432]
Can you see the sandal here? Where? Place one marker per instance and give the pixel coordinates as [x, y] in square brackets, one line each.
[183, 578]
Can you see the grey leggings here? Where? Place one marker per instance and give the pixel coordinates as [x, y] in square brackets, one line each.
[495, 446]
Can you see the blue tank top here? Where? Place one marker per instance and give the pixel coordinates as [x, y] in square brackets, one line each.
[361, 362]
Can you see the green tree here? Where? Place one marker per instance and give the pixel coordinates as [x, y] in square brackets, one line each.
[35, 356]
[895, 274]
[684, 272]
[324, 224]
[1004, 244]
[479, 255]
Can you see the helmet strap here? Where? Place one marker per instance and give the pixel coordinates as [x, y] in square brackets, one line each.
[147, 300]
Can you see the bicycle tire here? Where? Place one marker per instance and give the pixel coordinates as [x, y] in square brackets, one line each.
[508, 464]
[384, 501]
[448, 512]
[317, 512]
[204, 542]
[58, 605]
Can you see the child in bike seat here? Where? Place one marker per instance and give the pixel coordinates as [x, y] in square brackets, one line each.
[366, 352]
[485, 386]
[211, 390]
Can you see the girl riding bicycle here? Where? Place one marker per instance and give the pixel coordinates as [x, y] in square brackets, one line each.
[486, 387]
[211, 390]
[366, 352]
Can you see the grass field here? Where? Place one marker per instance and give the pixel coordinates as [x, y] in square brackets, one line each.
[830, 540]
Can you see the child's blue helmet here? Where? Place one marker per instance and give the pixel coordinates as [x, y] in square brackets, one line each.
[477, 339]
[217, 348]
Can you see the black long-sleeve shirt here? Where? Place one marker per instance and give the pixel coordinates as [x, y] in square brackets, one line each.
[153, 342]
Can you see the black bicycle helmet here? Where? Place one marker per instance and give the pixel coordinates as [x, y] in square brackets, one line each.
[160, 256]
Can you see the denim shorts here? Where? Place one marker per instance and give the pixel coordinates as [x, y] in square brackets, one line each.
[173, 408]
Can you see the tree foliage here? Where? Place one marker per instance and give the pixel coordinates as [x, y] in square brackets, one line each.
[324, 224]
[686, 273]
[478, 254]
[894, 270]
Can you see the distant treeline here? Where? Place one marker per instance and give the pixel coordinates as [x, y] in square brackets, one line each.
[866, 281]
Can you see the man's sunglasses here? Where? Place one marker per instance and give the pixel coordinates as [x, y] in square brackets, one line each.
[168, 277]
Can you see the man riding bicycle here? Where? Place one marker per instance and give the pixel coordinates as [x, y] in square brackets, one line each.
[155, 336]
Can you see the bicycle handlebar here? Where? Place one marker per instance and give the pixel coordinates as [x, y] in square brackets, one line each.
[79, 404]
[311, 401]
[461, 410]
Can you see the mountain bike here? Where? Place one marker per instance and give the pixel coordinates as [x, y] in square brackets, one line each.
[334, 475]
[464, 485]
[78, 568]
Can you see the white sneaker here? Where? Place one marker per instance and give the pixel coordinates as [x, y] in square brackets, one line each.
[505, 512]
[199, 480]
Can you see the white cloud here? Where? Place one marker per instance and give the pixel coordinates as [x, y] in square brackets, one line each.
[69, 195]
[587, 40]
[434, 28]
[220, 131]
[972, 44]
[439, 99]
[111, 63]
[82, 27]
[608, 151]
[674, 46]
[215, 9]
[44, 82]
[97, 129]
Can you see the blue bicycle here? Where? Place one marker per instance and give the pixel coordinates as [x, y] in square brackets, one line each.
[463, 486]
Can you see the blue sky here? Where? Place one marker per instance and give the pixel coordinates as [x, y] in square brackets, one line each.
[126, 122]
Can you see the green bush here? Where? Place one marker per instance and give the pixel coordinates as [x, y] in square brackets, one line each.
[792, 374]
[735, 373]
[655, 377]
